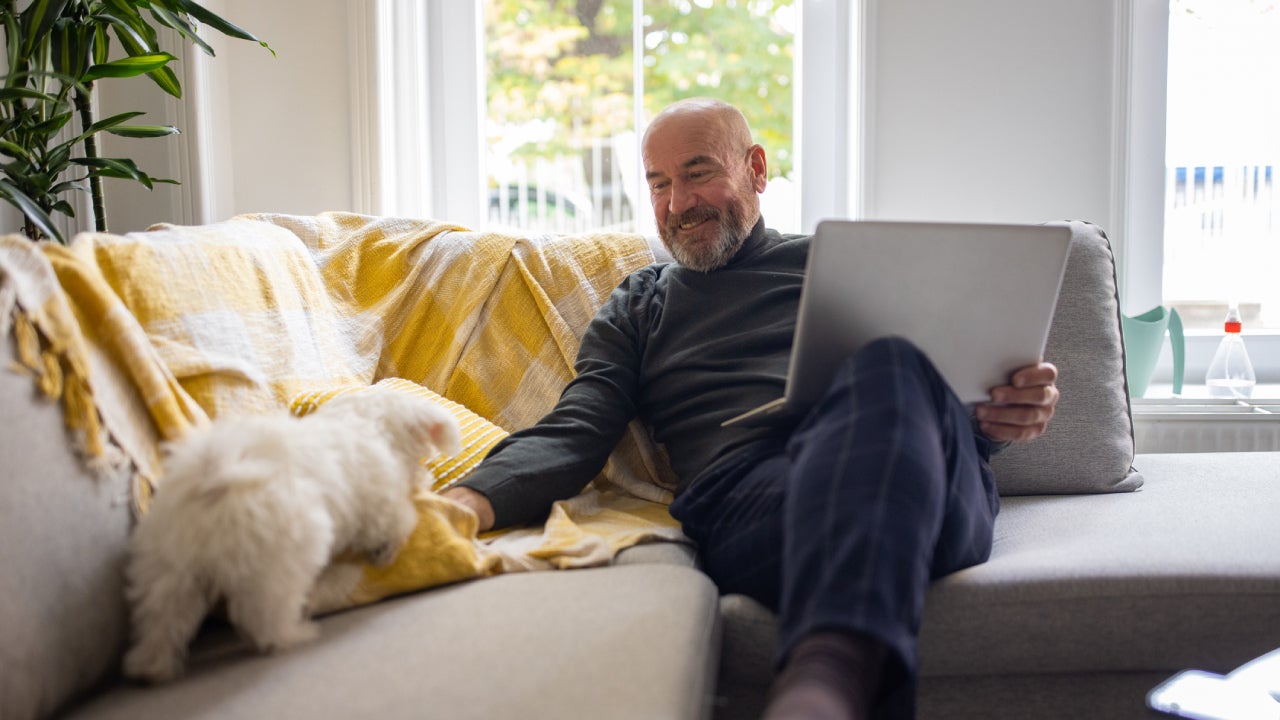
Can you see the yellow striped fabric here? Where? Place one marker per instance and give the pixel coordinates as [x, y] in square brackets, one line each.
[478, 435]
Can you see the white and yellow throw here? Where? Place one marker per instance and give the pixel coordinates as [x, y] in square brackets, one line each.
[267, 310]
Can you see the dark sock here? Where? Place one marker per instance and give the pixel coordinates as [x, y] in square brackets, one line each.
[830, 675]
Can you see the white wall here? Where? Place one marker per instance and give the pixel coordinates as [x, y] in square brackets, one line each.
[996, 110]
[288, 118]
[277, 130]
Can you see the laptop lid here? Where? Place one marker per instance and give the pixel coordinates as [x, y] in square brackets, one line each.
[976, 298]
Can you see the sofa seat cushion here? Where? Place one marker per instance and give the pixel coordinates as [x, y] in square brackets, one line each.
[635, 641]
[1183, 573]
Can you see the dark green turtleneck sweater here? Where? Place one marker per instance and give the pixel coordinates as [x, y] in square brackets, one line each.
[683, 351]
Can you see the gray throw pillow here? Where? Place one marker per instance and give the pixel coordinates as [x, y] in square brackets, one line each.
[1088, 447]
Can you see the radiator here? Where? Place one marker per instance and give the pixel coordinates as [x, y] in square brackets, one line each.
[1205, 425]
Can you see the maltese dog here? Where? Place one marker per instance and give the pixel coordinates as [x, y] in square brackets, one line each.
[253, 509]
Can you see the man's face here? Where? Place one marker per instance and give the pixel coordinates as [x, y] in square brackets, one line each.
[703, 188]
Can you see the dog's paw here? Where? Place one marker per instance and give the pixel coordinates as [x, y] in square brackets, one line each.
[283, 638]
[152, 665]
[333, 588]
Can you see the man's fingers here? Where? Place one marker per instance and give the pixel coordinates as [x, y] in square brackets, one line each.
[1012, 433]
[1035, 395]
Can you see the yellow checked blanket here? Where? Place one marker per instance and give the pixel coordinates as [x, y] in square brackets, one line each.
[263, 311]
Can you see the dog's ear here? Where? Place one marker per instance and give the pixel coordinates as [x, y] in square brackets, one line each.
[440, 431]
[435, 427]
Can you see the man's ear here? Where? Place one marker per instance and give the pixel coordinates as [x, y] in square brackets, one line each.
[759, 167]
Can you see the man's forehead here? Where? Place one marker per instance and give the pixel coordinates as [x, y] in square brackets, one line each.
[683, 164]
[678, 147]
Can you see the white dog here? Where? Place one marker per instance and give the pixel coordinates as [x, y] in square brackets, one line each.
[252, 510]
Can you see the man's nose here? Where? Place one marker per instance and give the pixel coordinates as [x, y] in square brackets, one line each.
[681, 198]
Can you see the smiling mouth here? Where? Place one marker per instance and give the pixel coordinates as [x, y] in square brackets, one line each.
[695, 218]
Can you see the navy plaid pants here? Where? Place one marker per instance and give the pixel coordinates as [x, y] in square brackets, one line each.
[882, 488]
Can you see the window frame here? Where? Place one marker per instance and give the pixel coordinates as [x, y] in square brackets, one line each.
[1141, 98]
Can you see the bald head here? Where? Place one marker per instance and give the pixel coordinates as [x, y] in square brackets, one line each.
[727, 121]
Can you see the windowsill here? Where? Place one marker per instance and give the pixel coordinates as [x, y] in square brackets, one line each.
[1161, 394]
[1195, 422]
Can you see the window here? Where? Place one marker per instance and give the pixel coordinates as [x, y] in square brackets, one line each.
[531, 112]
[1222, 206]
[570, 85]
[1195, 175]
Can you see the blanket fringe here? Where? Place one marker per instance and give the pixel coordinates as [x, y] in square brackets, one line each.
[57, 379]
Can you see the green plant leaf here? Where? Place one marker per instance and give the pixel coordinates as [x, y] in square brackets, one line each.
[29, 208]
[115, 168]
[101, 44]
[12, 29]
[127, 11]
[136, 44]
[13, 93]
[132, 40]
[129, 67]
[38, 19]
[97, 127]
[144, 131]
[122, 168]
[15, 150]
[50, 127]
[55, 161]
[203, 15]
[167, 80]
[110, 122]
[184, 28]
[68, 186]
[64, 207]
[71, 44]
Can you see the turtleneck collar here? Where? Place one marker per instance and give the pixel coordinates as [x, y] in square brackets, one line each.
[757, 242]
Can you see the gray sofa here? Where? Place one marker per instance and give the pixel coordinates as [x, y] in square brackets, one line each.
[1109, 573]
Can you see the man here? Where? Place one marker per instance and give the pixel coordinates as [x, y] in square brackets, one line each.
[839, 521]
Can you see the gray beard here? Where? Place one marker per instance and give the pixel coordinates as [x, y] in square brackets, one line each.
[731, 235]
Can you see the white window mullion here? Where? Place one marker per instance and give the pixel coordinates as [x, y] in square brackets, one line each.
[367, 115]
[822, 82]
[1138, 135]
[417, 108]
[455, 110]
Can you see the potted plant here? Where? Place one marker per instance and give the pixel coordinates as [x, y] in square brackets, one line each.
[55, 52]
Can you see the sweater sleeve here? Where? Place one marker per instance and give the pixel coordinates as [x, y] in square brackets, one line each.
[555, 458]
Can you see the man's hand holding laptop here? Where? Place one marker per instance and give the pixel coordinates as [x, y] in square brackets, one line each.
[1020, 410]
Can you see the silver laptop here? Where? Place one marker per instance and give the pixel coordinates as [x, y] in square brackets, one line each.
[976, 298]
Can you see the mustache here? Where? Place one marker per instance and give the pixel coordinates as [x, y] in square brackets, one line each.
[692, 216]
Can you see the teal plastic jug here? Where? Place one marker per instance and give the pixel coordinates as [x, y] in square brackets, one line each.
[1143, 338]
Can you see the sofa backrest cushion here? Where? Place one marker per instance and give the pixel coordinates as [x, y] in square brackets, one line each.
[1088, 447]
